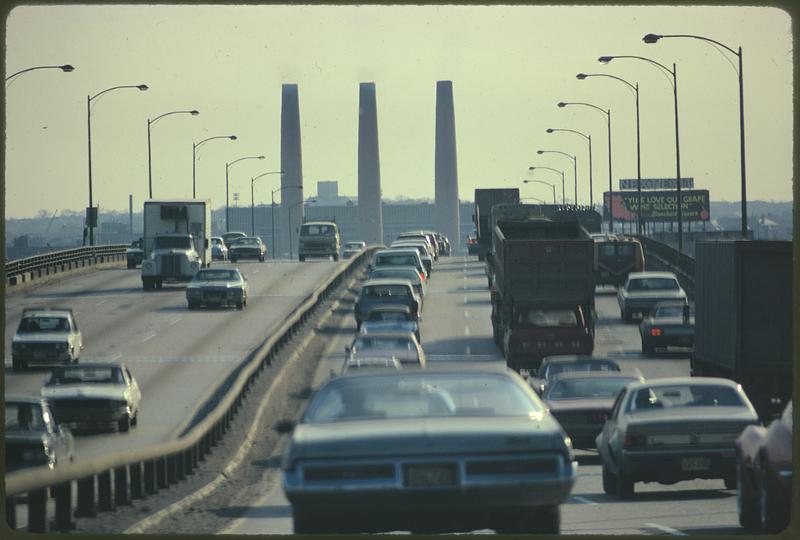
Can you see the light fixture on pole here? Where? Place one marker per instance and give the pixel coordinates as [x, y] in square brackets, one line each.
[227, 198]
[91, 214]
[674, 73]
[272, 214]
[291, 255]
[574, 167]
[252, 202]
[195, 146]
[552, 186]
[66, 68]
[563, 200]
[588, 138]
[149, 157]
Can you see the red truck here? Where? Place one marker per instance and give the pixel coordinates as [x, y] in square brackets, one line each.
[543, 291]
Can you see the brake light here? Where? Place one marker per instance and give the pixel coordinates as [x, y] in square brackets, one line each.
[631, 441]
[655, 332]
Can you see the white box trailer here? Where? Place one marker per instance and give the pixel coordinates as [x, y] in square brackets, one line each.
[176, 241]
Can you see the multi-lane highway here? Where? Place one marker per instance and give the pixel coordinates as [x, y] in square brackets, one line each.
[456, 327]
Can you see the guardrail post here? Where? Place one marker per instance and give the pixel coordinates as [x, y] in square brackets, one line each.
[63, 496]
[87, 507]
[150, 477]
[37, 511]
[135, 470]
[172, 470]
[11, 512]
[105, 497]
[161, 473]
[187, 461]
[121, 497]
[196, 453]
[180, 466]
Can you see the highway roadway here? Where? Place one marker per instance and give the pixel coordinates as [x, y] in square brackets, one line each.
[177, 356]
[456, 327]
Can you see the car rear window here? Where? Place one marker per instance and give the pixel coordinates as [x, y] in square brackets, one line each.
[395, 260]
[89, 375]
[685, 395]
[587, 388]
[653, 284]
[385, 290]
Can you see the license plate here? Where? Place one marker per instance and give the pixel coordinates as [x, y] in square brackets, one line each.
[695, 463]
[430, 475]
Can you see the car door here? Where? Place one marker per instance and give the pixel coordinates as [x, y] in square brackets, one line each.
[609, 437]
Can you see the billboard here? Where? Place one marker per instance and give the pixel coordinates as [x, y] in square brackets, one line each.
[656, 183]
[659, 205]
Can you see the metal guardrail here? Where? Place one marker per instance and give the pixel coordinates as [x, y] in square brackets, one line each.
[116, 479]
[38, 263]
[661, 256]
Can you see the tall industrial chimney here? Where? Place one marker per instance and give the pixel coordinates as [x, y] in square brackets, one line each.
[446, 169]
[292, 166]
[370, 216]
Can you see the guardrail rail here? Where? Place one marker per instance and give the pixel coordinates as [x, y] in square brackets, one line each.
[661, 256]
[38, 266]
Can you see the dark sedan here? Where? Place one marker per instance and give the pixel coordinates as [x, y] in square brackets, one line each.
[581, 401]
[670, 324]
[764, 468]
[32, 435]
[386, 291]
[555, 365]
[673, 429]
[433, 450]
[249, 247]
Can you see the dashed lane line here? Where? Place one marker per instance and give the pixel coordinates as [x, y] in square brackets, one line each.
[584, 500]
[664, 528]
[148, 338]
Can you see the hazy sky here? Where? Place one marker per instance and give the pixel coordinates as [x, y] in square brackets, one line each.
[509, 65]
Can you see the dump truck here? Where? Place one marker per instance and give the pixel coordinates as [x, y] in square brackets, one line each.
[507, 212]
[744, 318]
[484, 200]
[543, 290]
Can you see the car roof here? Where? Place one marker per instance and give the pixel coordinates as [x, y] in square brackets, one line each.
[404, 267]
[388, 281]
[671, 381]
[391, 307]
[576, 358]
[320, 223]
[90, 365]
[46, 312]
[234, 232]
[648, 274]
[389, 251]
[598, 375]
[457, 368]
[385, 334]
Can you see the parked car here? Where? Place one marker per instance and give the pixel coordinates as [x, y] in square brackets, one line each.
[249, 247]
[670, 324]
[672, 429]
[219, 251]
[552, 366]
[217, 287]
[582, 400]
[643, 290]
[229, 237]
[32, 435]
[134, 254]
[46, 336]
[410, 273]
[390, 317]
[94, 395]
[398, 257]
[427, 451]
[401, 345]
[386, 291]
[351, 248]
[764, 468]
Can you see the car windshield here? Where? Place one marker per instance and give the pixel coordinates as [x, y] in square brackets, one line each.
[587, 388]
[216, 241]
[395, 260]
[173, 242]
[318, 230]
[547, 318]
[384, 343]
[33, 325]
[653, 284]
[375, 291]
[245, 242]
[86, 374]
[684, 395]
[388, 316]
[228, 237]
[216, 275]
[420, 396]
[563, 367]
[410, 275]
[24, 417]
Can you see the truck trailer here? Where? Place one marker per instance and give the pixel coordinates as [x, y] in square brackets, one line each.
[484, 200]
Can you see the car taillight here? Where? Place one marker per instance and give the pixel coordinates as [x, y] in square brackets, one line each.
[655, 332]
[632, 441]
[575, 344]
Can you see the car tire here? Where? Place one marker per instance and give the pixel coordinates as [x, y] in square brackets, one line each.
[771, 521]
[302, 258]
[303, 523]
[730, 481]
[747, 506]
[336, 257]
[124, 423]
[626, 315]
[147, 284]
[17, 365]
[609, 481]
[131, 264]
[240, 305]
[624, 486]
[233, 260]
[194, 305]
[647, 348]
[135, 419]
[159, 284]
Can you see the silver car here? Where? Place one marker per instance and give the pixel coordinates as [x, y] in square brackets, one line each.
[643, 290]
[217, 287]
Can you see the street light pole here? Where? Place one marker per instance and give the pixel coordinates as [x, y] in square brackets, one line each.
[563, 200]
[272, 215]
[552, 186]
[252, 202]
[66, 68]
[291, 255]
[195, 146]
[588, 138]
[653, 38]
[674, 73]
[227, 199]
[574, 167]
[149, 158]
[89, 98]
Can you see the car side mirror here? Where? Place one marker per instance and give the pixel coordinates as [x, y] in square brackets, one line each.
[284, 427]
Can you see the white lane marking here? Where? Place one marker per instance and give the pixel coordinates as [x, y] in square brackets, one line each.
[469, 350]
[148, 338]
[466, 330]
[584, 500]
[115, 357]
[176, 321]
[101, 302]
[465, 300]
[668, 530]
[466, 314]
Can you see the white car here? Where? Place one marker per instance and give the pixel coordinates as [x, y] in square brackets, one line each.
[46, 336]
[643, 290]
[351, 248]
[92, 395]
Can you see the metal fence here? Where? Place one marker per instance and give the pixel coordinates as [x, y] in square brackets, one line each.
[115, 479]
[39, 263]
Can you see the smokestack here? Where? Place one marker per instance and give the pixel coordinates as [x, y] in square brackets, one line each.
[370, 216]
[292, 166]
[446, 169]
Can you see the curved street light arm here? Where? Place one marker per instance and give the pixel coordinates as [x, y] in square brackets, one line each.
[570, 156]
[154, 120]
[606, 59]
[242, 159]
[231, 137]
[139, 86]
[565, 103]
[531, 168]
[66, 68]
[585, 75]
[656, 37]
[552, 130]
[265, 174]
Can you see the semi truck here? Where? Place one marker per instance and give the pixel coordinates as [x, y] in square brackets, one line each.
[744, 318]
[507, 212]
[484, 200]
[176, 241]
[543, 291]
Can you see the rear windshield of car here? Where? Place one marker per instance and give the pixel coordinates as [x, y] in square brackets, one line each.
[395, 260]
[89, 375]
[685, 395]
[227, 237]
[216, 275]
[24, 416]
[33, 325]
[586, 388]
[385, 290]
[388, 316]
[383, 343]
[245, 242]
[669, 311]
[410, 275]
[653, 284]
[545, 318]
[420, 396]
[317, 230]
[597, 365]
